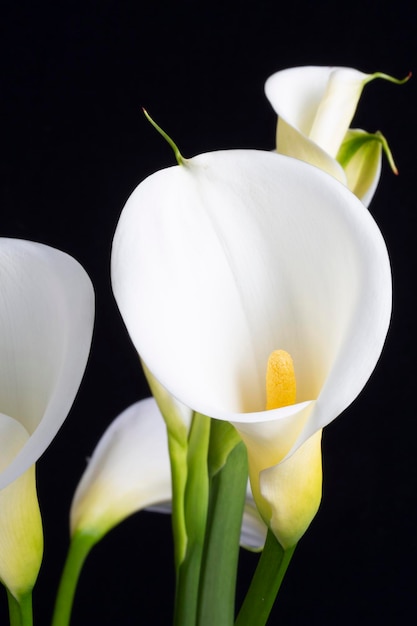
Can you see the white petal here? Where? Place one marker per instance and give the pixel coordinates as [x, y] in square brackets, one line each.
[46, 322]
[294, 144]
[254, 529]
[220, 262]
[317, 101]
[290, 492]
[128, 471]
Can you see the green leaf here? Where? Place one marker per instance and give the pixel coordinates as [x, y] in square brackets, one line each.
[221, 552]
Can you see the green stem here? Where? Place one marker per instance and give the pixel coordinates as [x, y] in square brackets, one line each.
[20, 611]
[227, 500]
[178, 155]
[265, 584]
[178, 459]
[195, 515]
[78, 551]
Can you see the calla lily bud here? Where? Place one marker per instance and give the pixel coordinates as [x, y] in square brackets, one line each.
[46, 325]
[130, 471]
[315, 106]
[21, 537]
[240, 241]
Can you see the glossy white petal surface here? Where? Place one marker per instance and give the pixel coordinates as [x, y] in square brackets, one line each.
[129, 470]
[317, 101]
[217, 263]
[46, 323]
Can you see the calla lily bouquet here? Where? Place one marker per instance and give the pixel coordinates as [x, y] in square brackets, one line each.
[256, 289]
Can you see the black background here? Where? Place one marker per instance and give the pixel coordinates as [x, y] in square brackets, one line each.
[74, 144]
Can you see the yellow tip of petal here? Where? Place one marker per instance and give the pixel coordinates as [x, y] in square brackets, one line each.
[280, 380]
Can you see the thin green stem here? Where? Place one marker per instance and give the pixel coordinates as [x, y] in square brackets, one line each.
[391, 79]
[78, 551]
[265, 584]
[178, 459]
[178, 155]
[227, 500]
[14, 610]
[20, 611]
[195, 515]
[177, 433]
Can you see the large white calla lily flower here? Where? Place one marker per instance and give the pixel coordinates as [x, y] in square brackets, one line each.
[315, 106]
[220, 261]
[46, 324]
[129, 471]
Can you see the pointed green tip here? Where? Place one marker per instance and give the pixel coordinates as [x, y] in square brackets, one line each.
[391, 79]
[356, 140]
[178, 155]
[387, 152]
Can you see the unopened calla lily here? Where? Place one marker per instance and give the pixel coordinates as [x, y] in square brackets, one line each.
[315, 106]
[218, 262]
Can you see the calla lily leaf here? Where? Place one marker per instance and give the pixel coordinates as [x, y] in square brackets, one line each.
[46, 323]
[219, 262]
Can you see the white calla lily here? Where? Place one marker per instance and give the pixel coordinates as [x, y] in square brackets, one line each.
[46, 323]
[130, 471]
[220, 261]
[315, 106]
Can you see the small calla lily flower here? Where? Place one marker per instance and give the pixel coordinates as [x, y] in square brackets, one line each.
[217, 263]
[315, 106]
[46, 324]
[129, 471]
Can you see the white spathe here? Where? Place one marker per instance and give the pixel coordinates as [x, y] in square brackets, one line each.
[220, 261]
[46, 324]
[129, 471]
[315, 106]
